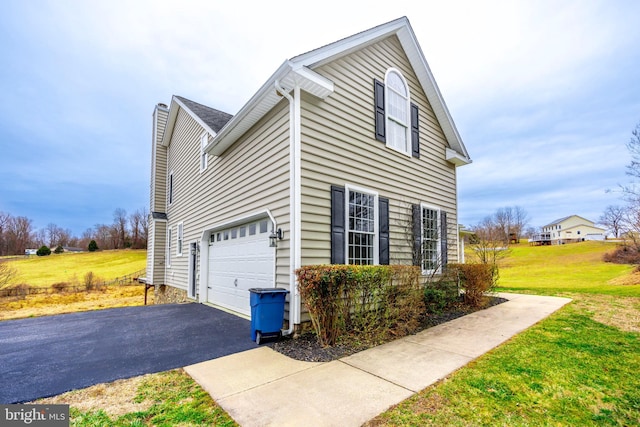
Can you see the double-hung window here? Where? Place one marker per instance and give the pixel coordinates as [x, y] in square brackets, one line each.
[431, 240]
[180, 239]
[362, 241]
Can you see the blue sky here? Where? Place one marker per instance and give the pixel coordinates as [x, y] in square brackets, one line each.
[545, 94]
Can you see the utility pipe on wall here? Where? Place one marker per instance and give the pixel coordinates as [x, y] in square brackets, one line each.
[294, 250]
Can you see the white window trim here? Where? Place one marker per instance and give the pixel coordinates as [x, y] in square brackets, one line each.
[169, 236]
[180, 239]
[170, 184]
[376, 219]
[204, 140]
[387, 109]
[438, 243]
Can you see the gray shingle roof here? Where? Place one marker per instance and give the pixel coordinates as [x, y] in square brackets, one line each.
[215, 119]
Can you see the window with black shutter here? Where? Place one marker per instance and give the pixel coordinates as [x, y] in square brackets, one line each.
[396, 118]
[354, 236]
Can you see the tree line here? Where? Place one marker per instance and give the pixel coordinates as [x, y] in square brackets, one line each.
[17, 233]
[623, 221]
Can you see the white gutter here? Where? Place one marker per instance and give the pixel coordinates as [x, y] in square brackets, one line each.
[294, 204]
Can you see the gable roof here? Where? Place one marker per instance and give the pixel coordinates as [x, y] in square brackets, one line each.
[402, 29]
[561, 220]
[210, 119]
[213, 118]
[299, 71]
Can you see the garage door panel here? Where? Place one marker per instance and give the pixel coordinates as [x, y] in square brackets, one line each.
[238, 264]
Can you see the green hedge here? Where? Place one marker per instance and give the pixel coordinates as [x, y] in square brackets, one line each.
[369, 302]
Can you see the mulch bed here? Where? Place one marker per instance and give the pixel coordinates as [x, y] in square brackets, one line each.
[306, 347]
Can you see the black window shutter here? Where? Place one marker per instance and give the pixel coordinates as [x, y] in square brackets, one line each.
[415, 132]
[383, 212]
[443, 238]
[417, 234]
[337, 225]
[379, 107]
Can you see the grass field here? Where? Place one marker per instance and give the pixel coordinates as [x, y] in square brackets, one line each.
[552, 270]
[71, 267]
[578, 367]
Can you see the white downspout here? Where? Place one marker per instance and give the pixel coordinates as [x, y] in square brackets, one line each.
[294, 210]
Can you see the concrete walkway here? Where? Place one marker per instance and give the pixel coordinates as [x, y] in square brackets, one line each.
[262, 387]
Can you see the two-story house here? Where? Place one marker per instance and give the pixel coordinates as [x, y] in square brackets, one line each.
[572, 229]
[347, 154]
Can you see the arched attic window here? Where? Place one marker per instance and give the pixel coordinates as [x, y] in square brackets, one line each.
[396, 117]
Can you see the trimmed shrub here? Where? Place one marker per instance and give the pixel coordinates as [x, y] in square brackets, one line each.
[443, 292]
[476, 280]
[43, 251]
[368, 302]
[93, 246]
[59, 249]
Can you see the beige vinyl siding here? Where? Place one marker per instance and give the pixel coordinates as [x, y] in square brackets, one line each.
[156, 252]
[338, 147]
[159, 164]
[251, 176]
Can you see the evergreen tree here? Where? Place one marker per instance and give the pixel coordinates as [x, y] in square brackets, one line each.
[43, 251]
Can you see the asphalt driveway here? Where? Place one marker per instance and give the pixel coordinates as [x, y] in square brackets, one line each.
[45, 356]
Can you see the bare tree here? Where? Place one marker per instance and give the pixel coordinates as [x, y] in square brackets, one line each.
[39, 238]
[503, 219]
[7, 273]
[86, 238]
[633, 168]
[55, 235]
[102, 236]
[531, 231]
[144, 225]
[511, 222]
[520, 221]
[120, 227]
[4, 220]
[138, 222]
[488, 245]
[613, 218]
[19, 234]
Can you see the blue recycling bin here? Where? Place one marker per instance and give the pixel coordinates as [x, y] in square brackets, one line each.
[267, 312]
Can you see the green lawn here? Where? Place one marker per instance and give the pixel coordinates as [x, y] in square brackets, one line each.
[578, 367]
[552, 270]
[70, 267]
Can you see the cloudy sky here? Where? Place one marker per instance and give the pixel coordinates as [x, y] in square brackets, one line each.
[545, 94]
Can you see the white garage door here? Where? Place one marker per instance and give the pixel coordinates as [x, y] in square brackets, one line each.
[239, 259]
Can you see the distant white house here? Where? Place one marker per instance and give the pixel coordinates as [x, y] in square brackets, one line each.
[28, 252]
[573, 229]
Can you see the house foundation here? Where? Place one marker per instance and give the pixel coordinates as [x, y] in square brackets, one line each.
[164, 294]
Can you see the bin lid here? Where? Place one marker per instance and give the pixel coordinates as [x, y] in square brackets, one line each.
[268, 290]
